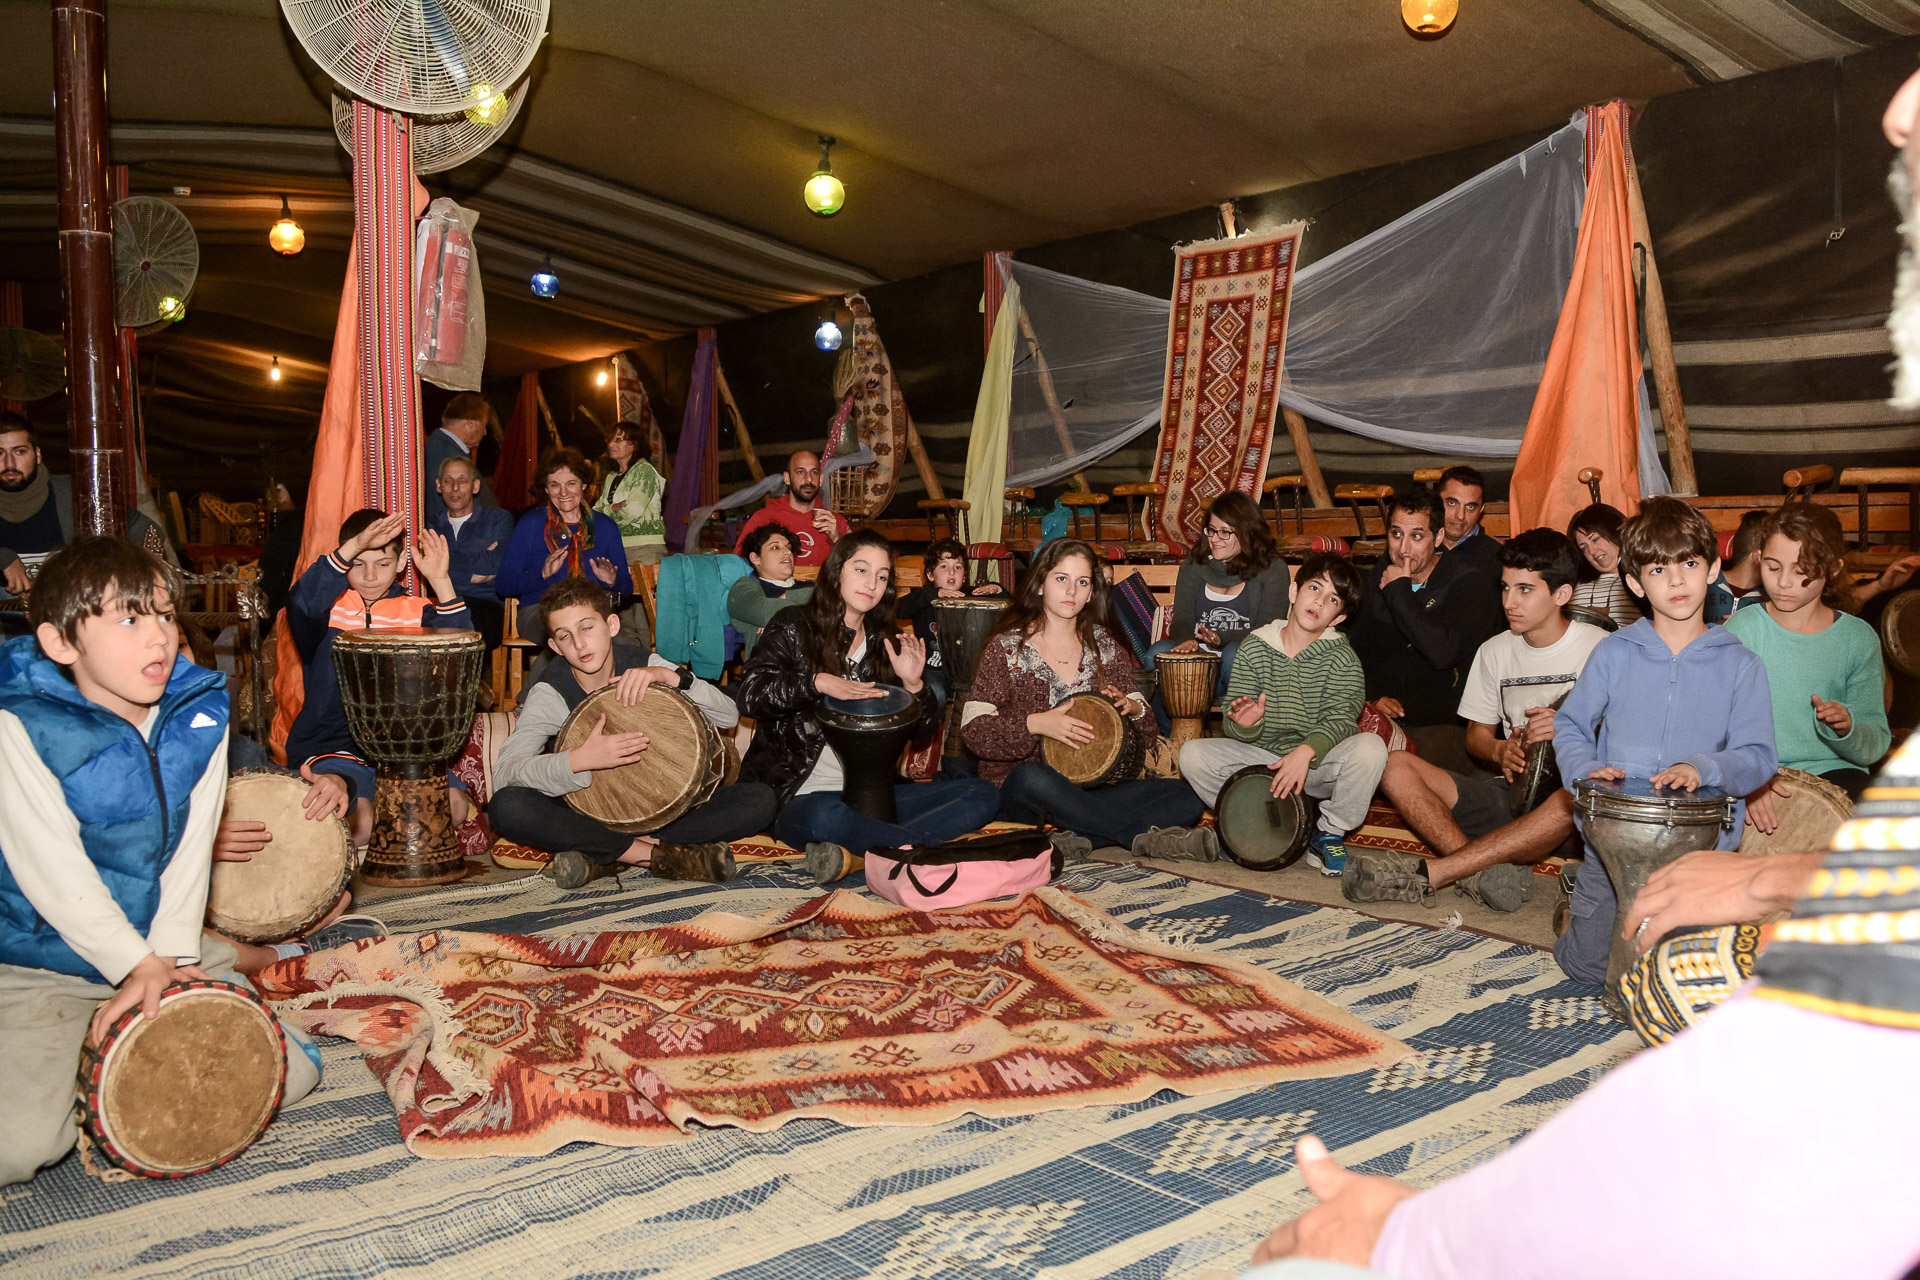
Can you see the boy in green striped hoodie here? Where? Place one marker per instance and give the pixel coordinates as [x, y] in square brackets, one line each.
[1293, 705]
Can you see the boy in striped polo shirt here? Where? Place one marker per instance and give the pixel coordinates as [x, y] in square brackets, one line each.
[1293, 704]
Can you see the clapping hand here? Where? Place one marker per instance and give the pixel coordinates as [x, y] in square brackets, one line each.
[1834, 715]
[555, 558]
[1248, 713]
[603, 750]
[604, 570]
[909, 654]
[433, 556]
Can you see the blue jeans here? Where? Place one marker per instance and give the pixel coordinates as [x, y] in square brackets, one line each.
[1227, 653]
[928, 813]
[1037, 792]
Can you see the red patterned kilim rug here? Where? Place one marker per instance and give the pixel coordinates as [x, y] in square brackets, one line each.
[843, 1008]
[1225, 343]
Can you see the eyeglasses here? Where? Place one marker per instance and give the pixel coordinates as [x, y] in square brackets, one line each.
[1215, 533]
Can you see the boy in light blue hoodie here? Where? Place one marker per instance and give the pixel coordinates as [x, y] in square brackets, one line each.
[1670, 699]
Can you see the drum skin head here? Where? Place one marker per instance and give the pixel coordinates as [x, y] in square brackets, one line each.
[192, 1088]
[669, 775]
[1259, 831]
[1091, 762]
[894, 702]
[1808, 817]
[287, 887]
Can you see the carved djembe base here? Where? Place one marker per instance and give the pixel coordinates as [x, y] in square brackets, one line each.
[413, 843]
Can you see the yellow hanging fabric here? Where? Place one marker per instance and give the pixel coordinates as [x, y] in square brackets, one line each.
[987, 448]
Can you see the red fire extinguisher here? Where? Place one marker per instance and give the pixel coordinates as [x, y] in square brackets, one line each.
[445, 257]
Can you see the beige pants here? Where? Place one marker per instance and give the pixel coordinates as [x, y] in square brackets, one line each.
[43, 1024]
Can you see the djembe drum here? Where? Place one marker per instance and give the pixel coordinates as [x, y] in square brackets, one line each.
[187, 1090]
[961, 626]
[1115, 754]
[1635, 830]
[1259, 830]
[1187, 682]
[409, 697]
[288, 887]
[683, 765]
[1808, 817]
[1900, 632]
[868, 734]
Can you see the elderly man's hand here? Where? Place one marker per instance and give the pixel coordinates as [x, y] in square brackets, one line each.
[1346, 1224]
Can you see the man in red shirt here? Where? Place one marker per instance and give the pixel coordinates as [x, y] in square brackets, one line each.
[813, 529]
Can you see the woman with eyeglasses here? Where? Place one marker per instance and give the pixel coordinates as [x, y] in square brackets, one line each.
[1231, 583]
[563, 538]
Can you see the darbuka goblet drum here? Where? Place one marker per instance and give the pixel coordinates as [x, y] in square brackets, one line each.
[1115, 754]
[409, 697]
[1636, 829]
[682, 766]
[868, 734]
[1187, 682]
[1260, 830]
[961, 626]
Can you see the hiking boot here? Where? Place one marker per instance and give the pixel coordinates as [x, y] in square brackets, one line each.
[1381, 875]
[345, 930]
[1327, 853]
[574, 870]
[1072, 845]
[1177, 844]
[1505, 887]
[829, 862]
[712, 863]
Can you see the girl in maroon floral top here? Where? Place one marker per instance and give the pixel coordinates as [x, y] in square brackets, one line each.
[1052, 643]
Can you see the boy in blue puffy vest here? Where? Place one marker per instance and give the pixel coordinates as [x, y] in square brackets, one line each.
[113, 768]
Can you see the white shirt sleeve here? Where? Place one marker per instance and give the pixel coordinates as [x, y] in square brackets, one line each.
[1480, 695]
[40, 839]
[183, 885]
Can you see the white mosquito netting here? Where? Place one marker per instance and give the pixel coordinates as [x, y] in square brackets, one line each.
[1431, 333]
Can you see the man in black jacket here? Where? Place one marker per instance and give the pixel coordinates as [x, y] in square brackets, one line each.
[1463, 493]
[1424, 618]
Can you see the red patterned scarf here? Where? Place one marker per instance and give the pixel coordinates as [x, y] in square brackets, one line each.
[577, 545]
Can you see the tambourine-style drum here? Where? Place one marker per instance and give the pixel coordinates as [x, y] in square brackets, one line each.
[1537, 780]
[1808, 817]
[190, 1089]
[1260, 830]
[868, 734]
[1636, 829]
[1596, 617]
[288, 887]
[1187, 682]
[961, 626]
[409, 697]
[1900, 632]
[1116, 753]
[683, 764]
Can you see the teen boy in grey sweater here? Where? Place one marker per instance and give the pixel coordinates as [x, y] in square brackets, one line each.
[1293, 705]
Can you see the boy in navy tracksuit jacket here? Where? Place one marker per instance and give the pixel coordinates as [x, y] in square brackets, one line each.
[1670, 699]
[353, 589]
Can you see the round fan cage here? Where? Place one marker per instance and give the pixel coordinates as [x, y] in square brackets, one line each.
[440, 142]
[155, 257]
[420, 57]
[32, 365]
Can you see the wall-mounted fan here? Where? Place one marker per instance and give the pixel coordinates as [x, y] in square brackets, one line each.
[155, 260]
[421, 57]
[440, 142]
[32, 365]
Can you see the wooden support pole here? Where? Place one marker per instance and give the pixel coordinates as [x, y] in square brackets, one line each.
[1051, 396]
[922, 463]
[739, 424]
[1666, 374]
[546, 415]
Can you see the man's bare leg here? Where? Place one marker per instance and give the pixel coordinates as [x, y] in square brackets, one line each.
[1527, 839]
[1425, 795]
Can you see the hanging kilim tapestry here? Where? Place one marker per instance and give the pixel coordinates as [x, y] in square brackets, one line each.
[842, 1008]
[879, 410]
[1225, 345]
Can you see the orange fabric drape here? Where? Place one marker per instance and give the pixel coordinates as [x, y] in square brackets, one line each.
[1586, 413]
[520, 449]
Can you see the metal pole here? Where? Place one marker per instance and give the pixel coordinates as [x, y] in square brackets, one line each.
[86, 262]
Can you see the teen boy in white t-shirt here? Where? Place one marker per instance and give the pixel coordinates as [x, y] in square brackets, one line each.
[1514, 685]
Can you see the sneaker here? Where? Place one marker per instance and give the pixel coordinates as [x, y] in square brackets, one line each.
[574, 870]
[1505, 887]
[345, 930]
[1177, 844]
[1381, 875]
[827, 862]
[1071, 845]
[1327, 853]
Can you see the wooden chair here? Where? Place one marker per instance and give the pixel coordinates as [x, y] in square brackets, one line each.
[1138, 539]
[1591, 477]
[1018, 511]
[1077, 502]
[1355, 494]
[510, 659]
[1297, 486]
[1864, 478]
[955, 510]
[909, 572]
[1802, 481]
[1428, 475]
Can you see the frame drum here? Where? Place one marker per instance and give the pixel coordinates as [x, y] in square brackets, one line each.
[680, 765]
[1116, 753]
[961, 627]
[189, 1090]
[1808, 817]
[1900, 632]
[868, 735]
[288, 887]
[1594, 617]
[1636, 830]
[1260, 830]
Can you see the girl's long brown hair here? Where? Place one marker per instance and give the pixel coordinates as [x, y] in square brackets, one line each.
[826, 612]
[1028, 612]
[1823, 548]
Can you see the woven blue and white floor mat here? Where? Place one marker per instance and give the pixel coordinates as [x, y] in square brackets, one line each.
[1169, 1187]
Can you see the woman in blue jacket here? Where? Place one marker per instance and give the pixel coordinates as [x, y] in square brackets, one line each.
[563, 539]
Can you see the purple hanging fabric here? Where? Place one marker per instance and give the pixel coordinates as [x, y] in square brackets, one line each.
[696, 437]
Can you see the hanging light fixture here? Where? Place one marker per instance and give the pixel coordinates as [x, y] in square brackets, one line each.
[1428, 17]
[828, 336]
[489, 105]
[824, 193]
[286, 236]
[274, 372]
[600, 379]
[544, 283]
